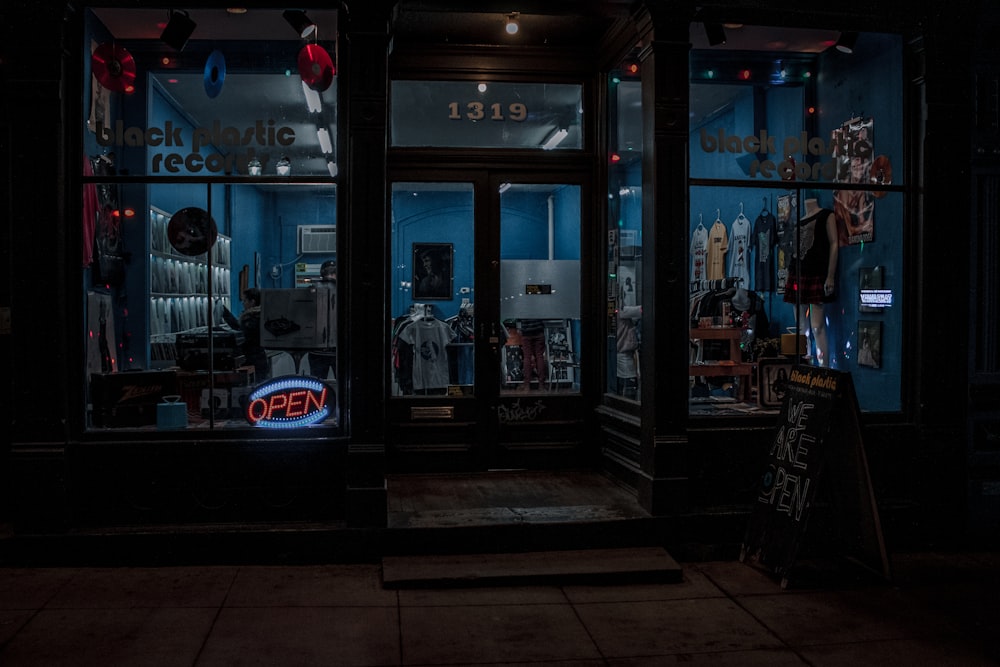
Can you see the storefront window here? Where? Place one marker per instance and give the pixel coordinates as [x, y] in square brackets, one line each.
[210, 217]
[797, 215]
[433, 297]
[624, 257]
[540, 287]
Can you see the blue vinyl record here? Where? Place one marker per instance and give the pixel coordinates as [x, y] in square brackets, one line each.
[215, 73]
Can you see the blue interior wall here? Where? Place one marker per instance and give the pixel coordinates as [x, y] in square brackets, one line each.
[868, 83]
[447, 217]
[432, 217]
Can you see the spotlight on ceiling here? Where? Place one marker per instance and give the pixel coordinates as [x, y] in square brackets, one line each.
[178, 30]
[846, 42]
[715, 33]
[301, 23]
[513, 23]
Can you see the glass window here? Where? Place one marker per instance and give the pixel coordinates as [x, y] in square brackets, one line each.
[433, 297]
[624, 257]
[544, 116]
[540, 287]
[797, 215]
[213, 273]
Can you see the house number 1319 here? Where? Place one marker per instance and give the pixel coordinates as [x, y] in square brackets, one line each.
[478, 111]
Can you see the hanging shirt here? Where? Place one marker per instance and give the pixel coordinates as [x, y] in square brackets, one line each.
[718, 245]
[764, 239]
[739, 258]
[699, 249]
[429, 339]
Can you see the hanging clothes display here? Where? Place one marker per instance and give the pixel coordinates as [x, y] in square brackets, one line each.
[718, 245]
[699, 250]
[739, 241]
[765, 237]
[424, 340]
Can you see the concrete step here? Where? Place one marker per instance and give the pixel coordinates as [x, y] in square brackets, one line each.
[580, 566]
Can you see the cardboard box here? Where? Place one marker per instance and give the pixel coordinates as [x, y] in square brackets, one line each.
[129, 398]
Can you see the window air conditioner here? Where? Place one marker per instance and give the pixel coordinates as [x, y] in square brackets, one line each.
[317, 239]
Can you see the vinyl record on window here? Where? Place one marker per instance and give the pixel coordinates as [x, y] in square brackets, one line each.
[192, 231]
[114, 67]
[316, 67]
[215, 73]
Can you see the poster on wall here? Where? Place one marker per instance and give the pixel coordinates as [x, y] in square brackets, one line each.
[787, 217]
[854, 209]
[432, 271]
[100, 100]
[870, 344]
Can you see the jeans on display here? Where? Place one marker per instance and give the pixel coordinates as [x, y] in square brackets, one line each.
[534, 359]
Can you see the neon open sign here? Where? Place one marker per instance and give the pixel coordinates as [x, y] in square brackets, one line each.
[289, 402]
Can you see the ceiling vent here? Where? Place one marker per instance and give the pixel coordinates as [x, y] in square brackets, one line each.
[317, 239]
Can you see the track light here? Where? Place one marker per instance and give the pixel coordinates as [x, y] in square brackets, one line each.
[715, 33]
[846, 42]
[513, 24]
[301, 23]
[178, 30]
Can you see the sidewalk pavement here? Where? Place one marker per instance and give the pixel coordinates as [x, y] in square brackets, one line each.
[940, 609]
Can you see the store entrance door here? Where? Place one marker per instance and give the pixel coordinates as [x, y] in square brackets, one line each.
[487, 348]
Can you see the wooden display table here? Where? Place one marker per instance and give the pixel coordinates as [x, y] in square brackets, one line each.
[734, 366]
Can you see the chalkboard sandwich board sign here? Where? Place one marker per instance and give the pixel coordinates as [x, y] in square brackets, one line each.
[816, 449]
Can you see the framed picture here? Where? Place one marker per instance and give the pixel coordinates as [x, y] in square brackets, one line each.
[869, 344]
[869, 279]
[432, 271]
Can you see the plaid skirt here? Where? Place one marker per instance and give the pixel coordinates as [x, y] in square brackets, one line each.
[806, 289]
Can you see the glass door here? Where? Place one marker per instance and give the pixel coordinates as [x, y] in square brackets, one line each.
[486, 341]
[539, 299]
[433, 289]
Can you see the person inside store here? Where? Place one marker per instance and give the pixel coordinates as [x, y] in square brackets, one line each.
[248, 324]
[533, 349]
[323, 363]
[627, 367]
[328, 271]
[812, 272]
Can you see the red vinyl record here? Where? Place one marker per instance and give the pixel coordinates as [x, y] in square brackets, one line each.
[316, 67]
[114, 67]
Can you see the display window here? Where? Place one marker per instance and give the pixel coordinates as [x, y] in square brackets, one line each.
[433, 297]
[209, 228]
[624, 256]
[798, 214]
[535, 328]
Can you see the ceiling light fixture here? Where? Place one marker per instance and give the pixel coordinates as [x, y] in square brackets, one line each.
[178, 30]
[301, 23]
[513, 23]
[715, 33]
[846, 42]
[554, 139]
